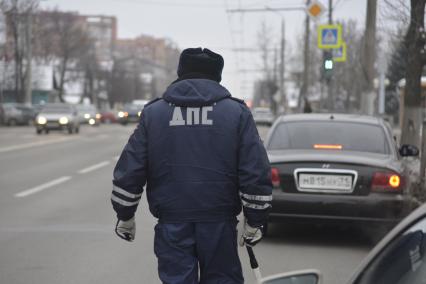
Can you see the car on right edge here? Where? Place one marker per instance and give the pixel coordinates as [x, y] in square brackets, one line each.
[338, 168]
[399, 258]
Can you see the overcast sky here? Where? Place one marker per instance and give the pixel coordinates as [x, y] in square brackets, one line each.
[205, 23]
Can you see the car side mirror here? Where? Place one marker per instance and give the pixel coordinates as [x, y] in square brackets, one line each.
[296, 277]
[408, 151]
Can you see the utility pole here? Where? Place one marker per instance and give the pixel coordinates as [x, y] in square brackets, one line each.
[330, 95]
[29, 55]
[368, 97]
[382, 71]
[305, 84]
[282, 66]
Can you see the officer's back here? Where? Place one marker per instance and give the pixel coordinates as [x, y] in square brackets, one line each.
[193, 152]
[198, 151]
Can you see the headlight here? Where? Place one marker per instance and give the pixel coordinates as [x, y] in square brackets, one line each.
[63, 120]
[126, 114]
[98, 116]
[41, 120]
[139, 113]
[120, 114]
[86, 116]
[92, 121]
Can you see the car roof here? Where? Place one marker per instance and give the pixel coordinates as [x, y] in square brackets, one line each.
[331, 117]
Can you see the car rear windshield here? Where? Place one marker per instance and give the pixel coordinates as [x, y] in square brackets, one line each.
[347, 136]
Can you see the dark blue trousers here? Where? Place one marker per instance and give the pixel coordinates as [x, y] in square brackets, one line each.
[192, 253]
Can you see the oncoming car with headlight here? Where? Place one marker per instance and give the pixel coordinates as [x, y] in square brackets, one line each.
[131, 112]
[343, 169]
[57, 117]
[88, 114]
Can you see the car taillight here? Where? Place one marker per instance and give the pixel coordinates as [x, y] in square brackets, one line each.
[275, 177]
[386, 182]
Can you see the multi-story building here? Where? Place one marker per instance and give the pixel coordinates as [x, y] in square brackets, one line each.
[98, 64]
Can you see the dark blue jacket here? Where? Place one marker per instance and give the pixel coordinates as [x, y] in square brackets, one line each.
[199, 152]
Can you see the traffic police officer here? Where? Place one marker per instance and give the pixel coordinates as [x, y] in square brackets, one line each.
[199, 154]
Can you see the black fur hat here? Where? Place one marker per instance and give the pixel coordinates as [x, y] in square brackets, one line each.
[199, 61]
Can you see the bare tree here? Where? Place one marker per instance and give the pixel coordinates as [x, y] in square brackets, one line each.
[415, 41]
[264, 41]
[18, 16]
[350, 76]
[63, 38]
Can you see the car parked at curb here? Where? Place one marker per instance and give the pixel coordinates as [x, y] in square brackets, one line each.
[57, 116]
[336, 168]
[12, 114]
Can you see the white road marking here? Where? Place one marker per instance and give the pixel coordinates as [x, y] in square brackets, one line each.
[94, 167]
[44, 186]
[33, 144]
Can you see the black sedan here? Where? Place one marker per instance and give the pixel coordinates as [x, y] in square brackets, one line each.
[338, 168]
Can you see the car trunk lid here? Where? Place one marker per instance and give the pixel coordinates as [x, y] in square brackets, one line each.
[328, 172]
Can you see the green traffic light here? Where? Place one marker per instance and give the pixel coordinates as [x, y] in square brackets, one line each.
[328, 64]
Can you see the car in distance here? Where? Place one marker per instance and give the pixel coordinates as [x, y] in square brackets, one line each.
[108, 117]
[12, 114]
[263, 116]
[88, 114]
[58, 116]
[130, 113]
[400, 257]
[345, 169]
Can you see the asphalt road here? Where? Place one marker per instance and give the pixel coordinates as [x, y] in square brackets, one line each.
[56, 220]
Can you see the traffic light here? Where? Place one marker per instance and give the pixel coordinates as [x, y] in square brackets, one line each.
[327, 65]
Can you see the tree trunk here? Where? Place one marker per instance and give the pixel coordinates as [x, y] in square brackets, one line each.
[17, 55]
[62, 80]
[412, 115]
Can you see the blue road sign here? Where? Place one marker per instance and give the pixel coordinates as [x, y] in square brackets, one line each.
[329, 36]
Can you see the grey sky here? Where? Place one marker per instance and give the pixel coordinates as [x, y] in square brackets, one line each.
[205, 23]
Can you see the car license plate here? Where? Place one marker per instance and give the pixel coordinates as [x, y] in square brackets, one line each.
[339, 183]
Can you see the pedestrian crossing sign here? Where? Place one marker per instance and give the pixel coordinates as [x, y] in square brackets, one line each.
[329, 36]
[339, 54]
